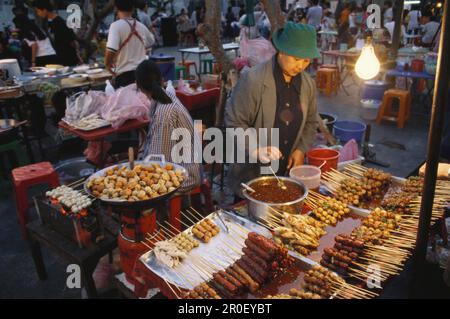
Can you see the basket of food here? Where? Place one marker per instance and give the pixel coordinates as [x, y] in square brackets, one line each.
[140, 184]
[267, 194]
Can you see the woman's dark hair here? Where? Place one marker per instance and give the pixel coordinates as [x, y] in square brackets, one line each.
[149, 79]
[32, 32]
[43, 4]
[140, 4]
[124, 5]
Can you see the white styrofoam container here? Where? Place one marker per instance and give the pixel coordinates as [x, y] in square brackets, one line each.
[369, 109]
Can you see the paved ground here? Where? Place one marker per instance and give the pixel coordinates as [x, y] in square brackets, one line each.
[17, 273]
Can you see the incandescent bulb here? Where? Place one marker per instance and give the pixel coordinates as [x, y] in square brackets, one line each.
[367, 66]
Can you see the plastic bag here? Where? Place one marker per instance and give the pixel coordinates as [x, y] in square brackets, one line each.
[109, 89]
[96, 151]
[256, 50]
[126, 103]
[78, 106]
[349, 151]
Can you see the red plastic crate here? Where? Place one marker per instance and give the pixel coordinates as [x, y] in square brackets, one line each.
[199, 100]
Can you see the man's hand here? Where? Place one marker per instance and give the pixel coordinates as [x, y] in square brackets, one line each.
[297, 158]
[267, 154]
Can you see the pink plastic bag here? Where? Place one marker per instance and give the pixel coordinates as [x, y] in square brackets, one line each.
[99, 99]
[125, 104]
[96, 151]
[349, 151]
[256, 50]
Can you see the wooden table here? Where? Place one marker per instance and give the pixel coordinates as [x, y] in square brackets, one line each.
[86, 258]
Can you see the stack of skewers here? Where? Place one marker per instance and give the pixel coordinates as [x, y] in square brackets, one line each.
[357, 185]
[73, 201]
[227, 276]
[326, 209]
[299, 233]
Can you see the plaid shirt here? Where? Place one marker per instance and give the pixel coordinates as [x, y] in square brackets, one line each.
[163, 120]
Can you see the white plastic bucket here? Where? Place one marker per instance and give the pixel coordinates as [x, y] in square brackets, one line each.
[307, 174]
[369, 109]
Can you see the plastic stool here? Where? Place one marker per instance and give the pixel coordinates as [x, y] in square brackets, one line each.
[206, 66]
[327, 81]
[16, 148]
[386, 113]
[25, 177]
[180, 72]
[175, 203]
[187, 64]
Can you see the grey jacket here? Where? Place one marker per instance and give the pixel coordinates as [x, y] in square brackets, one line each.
[253, 104]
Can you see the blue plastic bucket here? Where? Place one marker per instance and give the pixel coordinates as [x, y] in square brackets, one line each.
[166, 64]
[346, 130]
[374, 90]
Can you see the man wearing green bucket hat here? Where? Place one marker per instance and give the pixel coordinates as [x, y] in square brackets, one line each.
[277, 94]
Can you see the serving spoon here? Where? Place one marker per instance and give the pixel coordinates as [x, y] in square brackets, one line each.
[280, 183]
[248, 188]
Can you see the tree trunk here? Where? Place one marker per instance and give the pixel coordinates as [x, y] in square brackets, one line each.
[209, 32]
[86, 33]
[274, 13]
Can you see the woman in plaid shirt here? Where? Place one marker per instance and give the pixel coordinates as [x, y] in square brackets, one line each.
[167, 114]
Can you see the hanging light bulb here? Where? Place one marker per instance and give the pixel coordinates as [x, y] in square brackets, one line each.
[367, 66]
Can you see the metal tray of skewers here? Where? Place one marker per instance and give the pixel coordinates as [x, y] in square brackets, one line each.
[221, 244]
[353, 180]
[243, 262]
[69, 211]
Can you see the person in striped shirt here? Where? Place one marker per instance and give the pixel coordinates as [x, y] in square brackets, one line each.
[167, 113]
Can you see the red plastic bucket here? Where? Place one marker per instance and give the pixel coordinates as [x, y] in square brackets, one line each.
[318, 156]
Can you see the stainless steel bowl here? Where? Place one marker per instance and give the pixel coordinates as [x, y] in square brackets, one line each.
[260, 210]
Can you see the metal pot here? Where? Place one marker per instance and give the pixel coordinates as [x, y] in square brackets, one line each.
[260, 210]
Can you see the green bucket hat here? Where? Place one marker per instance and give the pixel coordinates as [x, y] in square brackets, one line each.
[298, 40]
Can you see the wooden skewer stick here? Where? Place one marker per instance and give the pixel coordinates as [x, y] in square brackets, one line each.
[193, 215]
[195, 211]
[245, 231]
[193, 222]
[167, 230]
[186, 225]
[232, 248]
[170, 287]
[166, 234]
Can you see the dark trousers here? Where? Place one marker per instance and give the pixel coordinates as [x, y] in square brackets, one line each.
[124, 79]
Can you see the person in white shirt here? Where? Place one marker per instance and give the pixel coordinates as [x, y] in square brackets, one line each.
[414, 16]
[127, 45]
[388, 14]
[314, 14]
[42, 51]
[429, 31]
[390, 27]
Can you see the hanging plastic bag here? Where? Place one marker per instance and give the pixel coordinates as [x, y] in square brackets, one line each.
[256, 50]
[126, 103]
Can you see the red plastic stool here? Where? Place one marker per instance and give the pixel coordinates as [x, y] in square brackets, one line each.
[175, 203]
[25, 177]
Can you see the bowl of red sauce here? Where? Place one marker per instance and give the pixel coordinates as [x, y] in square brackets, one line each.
[269, 196]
